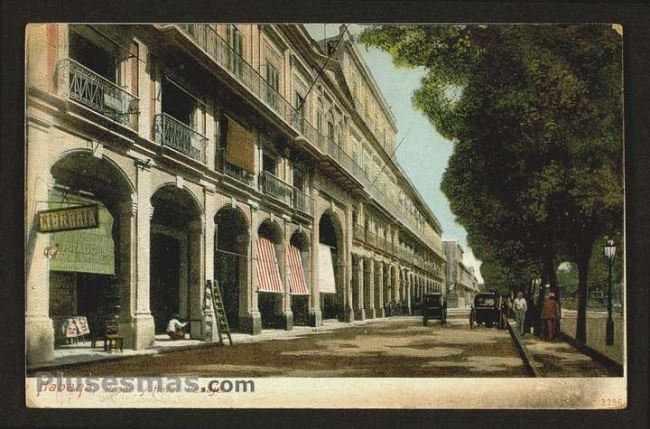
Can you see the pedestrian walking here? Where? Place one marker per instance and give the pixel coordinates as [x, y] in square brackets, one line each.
[550, 315]
[520, 306]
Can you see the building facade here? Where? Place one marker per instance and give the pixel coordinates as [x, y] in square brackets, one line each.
[251, 155]
[462, 284]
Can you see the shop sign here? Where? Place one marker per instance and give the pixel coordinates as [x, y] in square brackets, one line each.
[66, 219]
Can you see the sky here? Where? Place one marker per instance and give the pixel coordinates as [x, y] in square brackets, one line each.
[423, 153]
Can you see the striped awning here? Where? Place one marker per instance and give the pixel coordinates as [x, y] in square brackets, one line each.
[296, 275]
[268, 274]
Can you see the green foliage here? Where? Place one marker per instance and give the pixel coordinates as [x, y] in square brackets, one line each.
[537, 129]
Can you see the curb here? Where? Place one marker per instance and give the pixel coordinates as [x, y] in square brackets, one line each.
[523, 352]
[609, 363]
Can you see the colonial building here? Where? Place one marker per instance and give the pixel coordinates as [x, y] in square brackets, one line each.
[250, 154]
[462, 284]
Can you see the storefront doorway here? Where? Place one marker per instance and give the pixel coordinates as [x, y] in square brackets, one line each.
[331, 236]
[165, 275]
[86, 271]
[175, 259]
[231, 260]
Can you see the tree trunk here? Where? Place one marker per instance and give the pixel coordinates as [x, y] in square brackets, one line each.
[581, 325]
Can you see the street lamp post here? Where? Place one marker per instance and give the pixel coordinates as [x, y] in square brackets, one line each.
[609, 251]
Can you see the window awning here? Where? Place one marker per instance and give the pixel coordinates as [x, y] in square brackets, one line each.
[296, 275]
[240, 150]
[326, 283]
[268, 274]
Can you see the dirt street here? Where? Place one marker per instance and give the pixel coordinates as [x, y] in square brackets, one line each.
[396, 347]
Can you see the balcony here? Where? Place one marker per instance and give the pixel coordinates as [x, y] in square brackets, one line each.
[275, 187]
[81, 84]
[223, 54]
[239, 174]
[172, 133]
[302, 201]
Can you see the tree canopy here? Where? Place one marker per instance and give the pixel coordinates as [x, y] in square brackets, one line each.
[535, 114]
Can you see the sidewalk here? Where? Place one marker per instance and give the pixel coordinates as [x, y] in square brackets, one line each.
[70, 355]
[558, 358]
[596, 321]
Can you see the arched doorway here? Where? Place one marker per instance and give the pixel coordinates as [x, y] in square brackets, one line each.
[331, 236]
[299, 248]
[270, 269]
[175, 258]
[231, 260]
[89, 275]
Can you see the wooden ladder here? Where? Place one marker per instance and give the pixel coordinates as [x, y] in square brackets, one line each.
[219, 311]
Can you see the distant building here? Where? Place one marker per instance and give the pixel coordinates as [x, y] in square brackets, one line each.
[462, 284]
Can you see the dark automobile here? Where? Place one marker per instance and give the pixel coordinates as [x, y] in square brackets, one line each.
[486, 310]
[433, 306]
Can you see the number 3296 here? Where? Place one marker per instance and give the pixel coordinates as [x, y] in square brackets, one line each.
[612, 402]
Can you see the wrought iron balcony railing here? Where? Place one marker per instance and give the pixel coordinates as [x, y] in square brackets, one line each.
[81, 84]
[239, 174]
[220, 51]
[174, 134]
[302, 201]
[223, 54]
[275, 187]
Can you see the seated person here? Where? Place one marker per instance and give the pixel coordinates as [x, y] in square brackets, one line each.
[175, 328]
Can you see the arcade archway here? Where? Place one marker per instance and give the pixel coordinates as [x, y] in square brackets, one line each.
[175, 257]
[331, 236]
[232, 240]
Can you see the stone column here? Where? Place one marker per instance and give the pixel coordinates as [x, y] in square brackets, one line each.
[196, 247]
[358, 286]
[380, 308]
[250, 320]
[396, 284]
[39, 332]
[139, 331]
[347, 259]
[407, 290]
[284, 309]
[388, 287]
[315, 313]
[370, 297]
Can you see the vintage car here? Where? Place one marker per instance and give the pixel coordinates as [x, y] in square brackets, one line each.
[486, 310]
[434, 306]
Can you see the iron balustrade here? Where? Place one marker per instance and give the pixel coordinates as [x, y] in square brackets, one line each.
[223, 54]
[172, 133]
[275, 187]
[239, 174]
[81, 84]
[302, 201]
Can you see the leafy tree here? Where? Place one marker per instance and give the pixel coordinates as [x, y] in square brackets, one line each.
[535, 115]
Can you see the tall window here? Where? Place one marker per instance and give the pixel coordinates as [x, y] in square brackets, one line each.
[236, 41]
[269, 163]
[273, 81]
[299, 179]
[319, 125]
[299, 105]
[330, 127]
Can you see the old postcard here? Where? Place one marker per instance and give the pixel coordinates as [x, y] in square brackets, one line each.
[225, 215]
